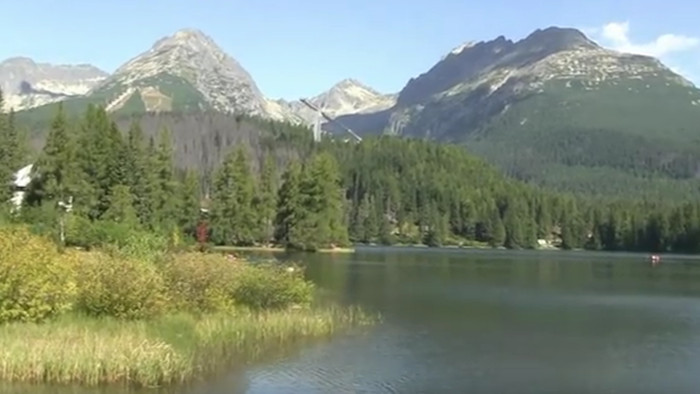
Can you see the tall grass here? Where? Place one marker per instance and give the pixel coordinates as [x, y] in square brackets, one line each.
[120, 316]
[171, 349]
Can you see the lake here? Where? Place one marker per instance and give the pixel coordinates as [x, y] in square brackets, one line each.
[494, 322]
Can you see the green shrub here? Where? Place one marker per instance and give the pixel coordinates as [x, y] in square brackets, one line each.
[119, 287]
[36, 282]
[82, 232]
[143, 245]
[270, 287]
[127, 240]
[200, 282]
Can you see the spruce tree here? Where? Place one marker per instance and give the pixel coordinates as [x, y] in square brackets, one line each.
[55, 175]
[233, 218]
[140, 177]
[323, 199]
[121, 207]
[266, 201]
[165, 190]
[189, 214]
[6, 170]
[290, 208]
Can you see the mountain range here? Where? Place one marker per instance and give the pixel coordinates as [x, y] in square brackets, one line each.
[554, 108]
[183, 72]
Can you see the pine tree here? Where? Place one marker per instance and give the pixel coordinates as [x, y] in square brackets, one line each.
[55, 175]
[191, 196]
[234, 221]
[121, 207]
[6, 169]
[266, 201]
[140, 178]
[165, 191]
[290, 208]
[323, 199]
[117, 158]
[93, 159]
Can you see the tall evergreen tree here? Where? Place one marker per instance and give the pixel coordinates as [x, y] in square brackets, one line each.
[265, 203]
[291, 211]
[323, 199]
[234, 221]
[140, 177]
[191, 198]
[166, 197]
[55, 175]
[121, 207]
[6, 170]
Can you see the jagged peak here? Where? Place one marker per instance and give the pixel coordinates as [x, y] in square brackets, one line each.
[189, 38]
[562, 37]
[352, 83]
[466, 45]
[29, 63]
[348, 82]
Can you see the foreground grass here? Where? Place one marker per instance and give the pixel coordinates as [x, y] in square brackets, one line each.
[167, 350]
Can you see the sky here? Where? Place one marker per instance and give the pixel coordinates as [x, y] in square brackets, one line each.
[299, 48]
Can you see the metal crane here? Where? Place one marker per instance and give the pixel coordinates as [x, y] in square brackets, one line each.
[317, 124]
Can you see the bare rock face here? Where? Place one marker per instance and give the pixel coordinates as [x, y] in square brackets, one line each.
[478, 82]
[27, 84]
[184, 71]
[195, 60]
[348, 96]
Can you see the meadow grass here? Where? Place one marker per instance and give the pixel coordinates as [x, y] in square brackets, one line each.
[139, 316]
[167, 350]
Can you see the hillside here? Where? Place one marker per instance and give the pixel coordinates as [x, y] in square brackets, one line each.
[553, 106]
[383, 189]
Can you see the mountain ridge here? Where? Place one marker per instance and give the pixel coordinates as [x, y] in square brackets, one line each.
[545, 104]
[26, 83]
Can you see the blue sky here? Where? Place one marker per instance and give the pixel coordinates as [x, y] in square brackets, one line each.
[300, 48]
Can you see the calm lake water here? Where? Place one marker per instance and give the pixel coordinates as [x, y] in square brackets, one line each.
[495, 322]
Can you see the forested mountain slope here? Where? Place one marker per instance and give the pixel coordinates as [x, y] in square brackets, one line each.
[555, 109]
[279, 187]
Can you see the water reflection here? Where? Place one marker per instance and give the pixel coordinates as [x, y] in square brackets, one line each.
[491, 322]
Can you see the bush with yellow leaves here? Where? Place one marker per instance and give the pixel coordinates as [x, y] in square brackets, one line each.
[36, 281]
[119, 287]
[200, 283]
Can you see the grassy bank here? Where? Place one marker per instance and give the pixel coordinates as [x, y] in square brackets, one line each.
[275, 249]
[169, 349]
[127, 315]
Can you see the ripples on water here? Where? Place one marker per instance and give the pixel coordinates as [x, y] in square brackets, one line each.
[492, 322]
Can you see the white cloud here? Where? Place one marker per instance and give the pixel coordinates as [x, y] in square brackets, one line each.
[616, 35]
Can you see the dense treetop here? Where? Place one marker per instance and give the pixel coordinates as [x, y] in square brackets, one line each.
[270, 184]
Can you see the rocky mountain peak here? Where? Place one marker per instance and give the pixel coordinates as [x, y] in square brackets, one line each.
[28, 84]
[351, 96]
[348, 82]
[558, 39]
[192, 40]
[194, 57]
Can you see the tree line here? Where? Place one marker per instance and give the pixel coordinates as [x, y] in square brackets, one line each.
[382, 190]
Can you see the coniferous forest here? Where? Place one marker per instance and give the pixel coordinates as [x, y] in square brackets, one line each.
[286, 190]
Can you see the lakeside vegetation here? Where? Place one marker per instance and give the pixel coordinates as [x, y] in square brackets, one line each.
[116, 317]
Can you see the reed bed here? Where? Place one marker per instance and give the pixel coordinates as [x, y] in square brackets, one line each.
[110, 317]
[169, 350]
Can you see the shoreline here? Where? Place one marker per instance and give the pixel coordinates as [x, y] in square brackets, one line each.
[173, 349]
[275, 249]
